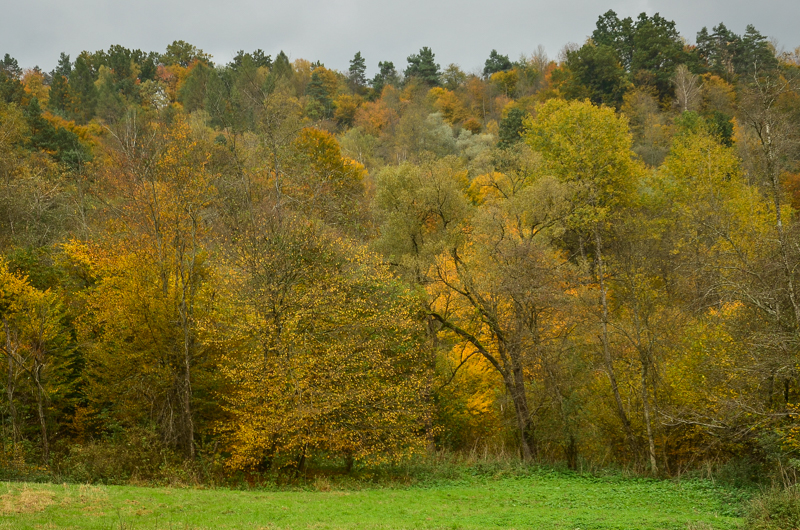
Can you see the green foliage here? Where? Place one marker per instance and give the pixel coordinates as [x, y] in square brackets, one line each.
[62, 144]
[728, 55]
[193, 93]
[617, 34]
[649, 48]
[59, 89]
[182, 53]
[321, 92]
[255, 59]
[594, 72]
[511, 127]
[387, 75]
[355, 73]
[774, 509]
[11, 90]
[423, 67]
[496, 63]
[282, 68]
[134, 455]
[83, 92]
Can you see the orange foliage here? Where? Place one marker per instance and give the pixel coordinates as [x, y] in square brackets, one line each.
[35, 86]
[449, 104]
[374, 117]
[346, 108]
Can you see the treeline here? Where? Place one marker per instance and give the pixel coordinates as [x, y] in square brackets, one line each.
[270, 265]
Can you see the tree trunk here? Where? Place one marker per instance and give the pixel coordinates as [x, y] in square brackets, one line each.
[646, 405]
[40, 398]
[609, 365]
[517, 388]
[12, 409]
[186, 390]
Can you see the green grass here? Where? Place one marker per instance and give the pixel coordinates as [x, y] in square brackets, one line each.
[537, 500]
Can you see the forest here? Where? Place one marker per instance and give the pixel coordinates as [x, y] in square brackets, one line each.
[254, 268]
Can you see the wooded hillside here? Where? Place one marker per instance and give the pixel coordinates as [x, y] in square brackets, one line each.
[268, 265]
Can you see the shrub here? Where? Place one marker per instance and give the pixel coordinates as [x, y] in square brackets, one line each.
[135, 455]
[776, 509]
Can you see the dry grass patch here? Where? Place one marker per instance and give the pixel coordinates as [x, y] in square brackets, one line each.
[26, 500]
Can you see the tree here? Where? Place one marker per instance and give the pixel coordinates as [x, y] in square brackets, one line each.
[756, 55]
[649, 125]
[150, 284]
[194, 90]
[83, 92]
[728, 55]
[322, 182]
[183, 54]
[423, 67]
[511, 127]
[453, 77]
[657, 52]
[11, 89]
[616, 34]
[355, 73]
[493, 282]
[771, 140]
[282, 67]
[593, 72]
[387, 75]
[256, 59]
[322, 89]
[59, 88]
[326, 357]
[496, 63]
[31, 321]
[590, 148]
[649, 49]
[687, 89]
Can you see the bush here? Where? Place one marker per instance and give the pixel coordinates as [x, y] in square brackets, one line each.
[776, 509]
[135, 455]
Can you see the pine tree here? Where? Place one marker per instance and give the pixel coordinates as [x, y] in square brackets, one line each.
[423, 67]
[358, 67]
[59, 88]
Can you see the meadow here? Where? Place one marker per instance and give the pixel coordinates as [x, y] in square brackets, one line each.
[539, 499]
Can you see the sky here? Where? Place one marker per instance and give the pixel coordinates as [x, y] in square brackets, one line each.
[463, 32]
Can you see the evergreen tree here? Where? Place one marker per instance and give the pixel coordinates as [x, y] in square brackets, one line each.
[183, 53]
[61, 144]
[594, 73]
[82, 90]
[59, 89]
[282, 67]
[616, 34]
[11, 67]
[256, 59]
[423, 67]
[496, 63]
[387, 75]
[11, 89]
[319, 93]
[511, 127]
[755, 55]
[355, 74]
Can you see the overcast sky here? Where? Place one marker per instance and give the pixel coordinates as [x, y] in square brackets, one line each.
[458, 31]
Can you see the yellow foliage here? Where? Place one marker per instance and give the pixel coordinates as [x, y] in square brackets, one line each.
[449, 104]
[325, 358]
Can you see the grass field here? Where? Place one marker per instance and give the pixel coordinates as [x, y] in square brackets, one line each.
[537, 500]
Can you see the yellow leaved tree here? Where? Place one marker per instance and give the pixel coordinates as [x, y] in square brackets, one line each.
[323, 353]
